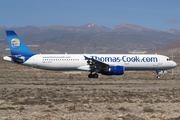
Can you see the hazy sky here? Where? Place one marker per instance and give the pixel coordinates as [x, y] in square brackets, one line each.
[154, 14]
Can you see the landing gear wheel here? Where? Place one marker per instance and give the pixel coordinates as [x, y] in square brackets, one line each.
[157, 71]
[95, 75]
[90, 76]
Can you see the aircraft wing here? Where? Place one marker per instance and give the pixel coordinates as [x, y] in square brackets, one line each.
[96, 64]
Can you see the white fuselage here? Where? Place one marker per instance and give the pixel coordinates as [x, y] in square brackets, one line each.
[78, 62]
[106, 64]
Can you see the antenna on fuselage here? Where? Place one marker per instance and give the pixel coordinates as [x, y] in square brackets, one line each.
[85, 50]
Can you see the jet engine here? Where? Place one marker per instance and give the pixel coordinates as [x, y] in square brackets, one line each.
[114, 70]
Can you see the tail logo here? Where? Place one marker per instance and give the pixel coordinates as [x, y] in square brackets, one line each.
[15, 43]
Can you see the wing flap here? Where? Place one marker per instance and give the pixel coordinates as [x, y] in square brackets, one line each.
[96, 64]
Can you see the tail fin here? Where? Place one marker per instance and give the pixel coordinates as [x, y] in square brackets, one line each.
[16, 45]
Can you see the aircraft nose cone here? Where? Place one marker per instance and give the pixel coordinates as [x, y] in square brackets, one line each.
[174, 64]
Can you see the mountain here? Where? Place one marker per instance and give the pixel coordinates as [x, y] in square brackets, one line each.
[93, 28]
[90, 37]
[89, 28]
[132, 29]
[173, 31]
[173, 47]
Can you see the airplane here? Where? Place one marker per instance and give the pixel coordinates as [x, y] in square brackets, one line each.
[106, 64]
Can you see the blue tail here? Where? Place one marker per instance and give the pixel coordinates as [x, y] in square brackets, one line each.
[17, 46]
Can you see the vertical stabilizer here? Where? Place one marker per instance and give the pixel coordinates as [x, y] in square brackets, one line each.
[17, 46]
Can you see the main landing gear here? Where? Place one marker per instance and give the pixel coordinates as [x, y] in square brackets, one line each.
[93, 75]
[157, 71]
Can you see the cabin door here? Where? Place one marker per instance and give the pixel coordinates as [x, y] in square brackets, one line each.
[34, 61]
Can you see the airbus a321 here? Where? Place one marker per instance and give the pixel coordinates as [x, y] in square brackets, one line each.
[106, 64]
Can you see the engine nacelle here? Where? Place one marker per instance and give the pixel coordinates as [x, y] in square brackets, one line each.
[114, 70]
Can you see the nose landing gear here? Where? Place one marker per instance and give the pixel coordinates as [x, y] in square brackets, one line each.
[157, 71]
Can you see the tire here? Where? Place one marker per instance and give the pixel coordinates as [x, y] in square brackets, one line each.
[158, 77]
[95, 75]
[90, 76]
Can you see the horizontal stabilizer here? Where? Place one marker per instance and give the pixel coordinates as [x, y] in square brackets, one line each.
[15, 59]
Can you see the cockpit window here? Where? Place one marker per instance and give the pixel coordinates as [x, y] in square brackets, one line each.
[168, 59]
